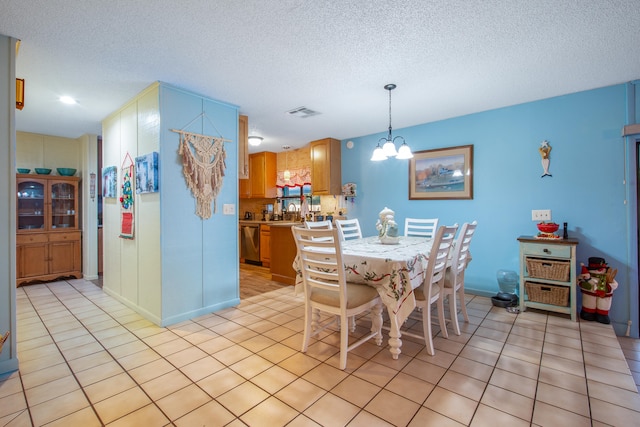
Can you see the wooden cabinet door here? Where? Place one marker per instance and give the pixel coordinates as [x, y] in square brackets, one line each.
[244, 188]
[62, 257]
[64, 210]
[64, 253]
[326, 167]
[31, 260]
[257, 170]
[262, 173]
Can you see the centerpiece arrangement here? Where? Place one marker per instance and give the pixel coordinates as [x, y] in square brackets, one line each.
[387, 227]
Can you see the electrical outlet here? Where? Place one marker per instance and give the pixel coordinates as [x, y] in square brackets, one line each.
[541, 215]
[228, 209]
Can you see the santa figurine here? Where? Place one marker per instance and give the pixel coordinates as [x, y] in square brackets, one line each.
[597, 285]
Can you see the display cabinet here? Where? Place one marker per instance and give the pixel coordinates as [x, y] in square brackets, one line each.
[548, 274]
[48, 238]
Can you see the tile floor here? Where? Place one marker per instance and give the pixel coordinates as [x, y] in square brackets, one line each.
[87, 360]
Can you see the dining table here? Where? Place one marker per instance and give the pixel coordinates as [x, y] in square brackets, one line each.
[394, 270]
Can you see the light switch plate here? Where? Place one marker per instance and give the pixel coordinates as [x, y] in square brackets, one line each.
[541, 215]
[228, 209]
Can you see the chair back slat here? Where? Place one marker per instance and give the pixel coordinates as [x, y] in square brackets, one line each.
[349, 229]
[319, 224]
[421, 227]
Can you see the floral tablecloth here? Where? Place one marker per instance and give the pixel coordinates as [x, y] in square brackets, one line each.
[394, 270]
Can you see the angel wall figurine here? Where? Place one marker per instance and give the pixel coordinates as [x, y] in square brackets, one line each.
[545, 150]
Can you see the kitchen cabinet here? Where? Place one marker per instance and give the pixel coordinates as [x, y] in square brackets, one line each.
[48, 239]
[326, 178]
[243, 147]
[262, 177]
[284, 249]
[265, 245]
[549, 266]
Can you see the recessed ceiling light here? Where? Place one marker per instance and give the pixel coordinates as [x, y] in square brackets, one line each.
[255, 140]
[67, 100]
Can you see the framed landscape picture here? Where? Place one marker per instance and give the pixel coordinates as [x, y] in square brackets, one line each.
[443, 173]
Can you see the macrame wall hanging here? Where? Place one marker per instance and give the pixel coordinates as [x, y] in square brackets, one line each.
[203, 166]
[126, 199]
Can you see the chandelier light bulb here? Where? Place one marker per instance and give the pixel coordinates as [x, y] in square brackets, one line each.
[378, 154]
[389, 149]
[404, 152]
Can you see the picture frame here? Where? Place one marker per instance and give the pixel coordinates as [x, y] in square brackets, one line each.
[441, 174]
[147, 173]
[109, 182]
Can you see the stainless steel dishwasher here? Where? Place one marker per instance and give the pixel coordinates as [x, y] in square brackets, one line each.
[250, 245]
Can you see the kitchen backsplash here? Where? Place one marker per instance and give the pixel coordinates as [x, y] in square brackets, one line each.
[255, 206]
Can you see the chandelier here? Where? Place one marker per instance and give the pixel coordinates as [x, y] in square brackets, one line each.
[388, 149]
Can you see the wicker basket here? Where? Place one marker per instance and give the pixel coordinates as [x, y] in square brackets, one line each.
[543, 268]
[547, 294]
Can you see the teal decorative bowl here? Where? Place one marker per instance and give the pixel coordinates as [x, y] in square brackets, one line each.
[23, 170]
[66, 171]
[43, 171]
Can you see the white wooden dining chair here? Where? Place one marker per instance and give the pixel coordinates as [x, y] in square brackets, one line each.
[326, 289]
[454, 276]
[431, 289]
[349, 229]
[421, 227]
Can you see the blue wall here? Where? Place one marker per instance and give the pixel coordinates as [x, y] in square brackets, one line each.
[587, 190]
[200, 271]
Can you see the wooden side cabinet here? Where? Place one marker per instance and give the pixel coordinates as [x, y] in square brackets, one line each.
[48, 239]
[326, 175]
[548, 267]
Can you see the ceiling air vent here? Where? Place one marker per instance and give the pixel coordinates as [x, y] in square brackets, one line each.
[302, 112]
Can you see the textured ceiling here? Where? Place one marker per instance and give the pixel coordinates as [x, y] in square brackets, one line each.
[448, 58]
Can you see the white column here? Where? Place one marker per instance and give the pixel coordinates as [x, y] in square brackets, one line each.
[8, 357]
[89, 144]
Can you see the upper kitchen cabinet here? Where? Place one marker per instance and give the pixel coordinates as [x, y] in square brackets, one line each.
[262, 177]
[326, 176]
[243, 147]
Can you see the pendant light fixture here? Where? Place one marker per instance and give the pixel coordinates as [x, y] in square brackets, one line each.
[388, 149]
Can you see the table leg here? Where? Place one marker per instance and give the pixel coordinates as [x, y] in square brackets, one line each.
[394, 337]
[376, 322]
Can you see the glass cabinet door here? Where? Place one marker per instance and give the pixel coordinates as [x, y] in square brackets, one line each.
[63, 205]
[31, 205]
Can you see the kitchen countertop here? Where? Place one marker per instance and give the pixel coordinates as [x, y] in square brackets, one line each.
[270, 223]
